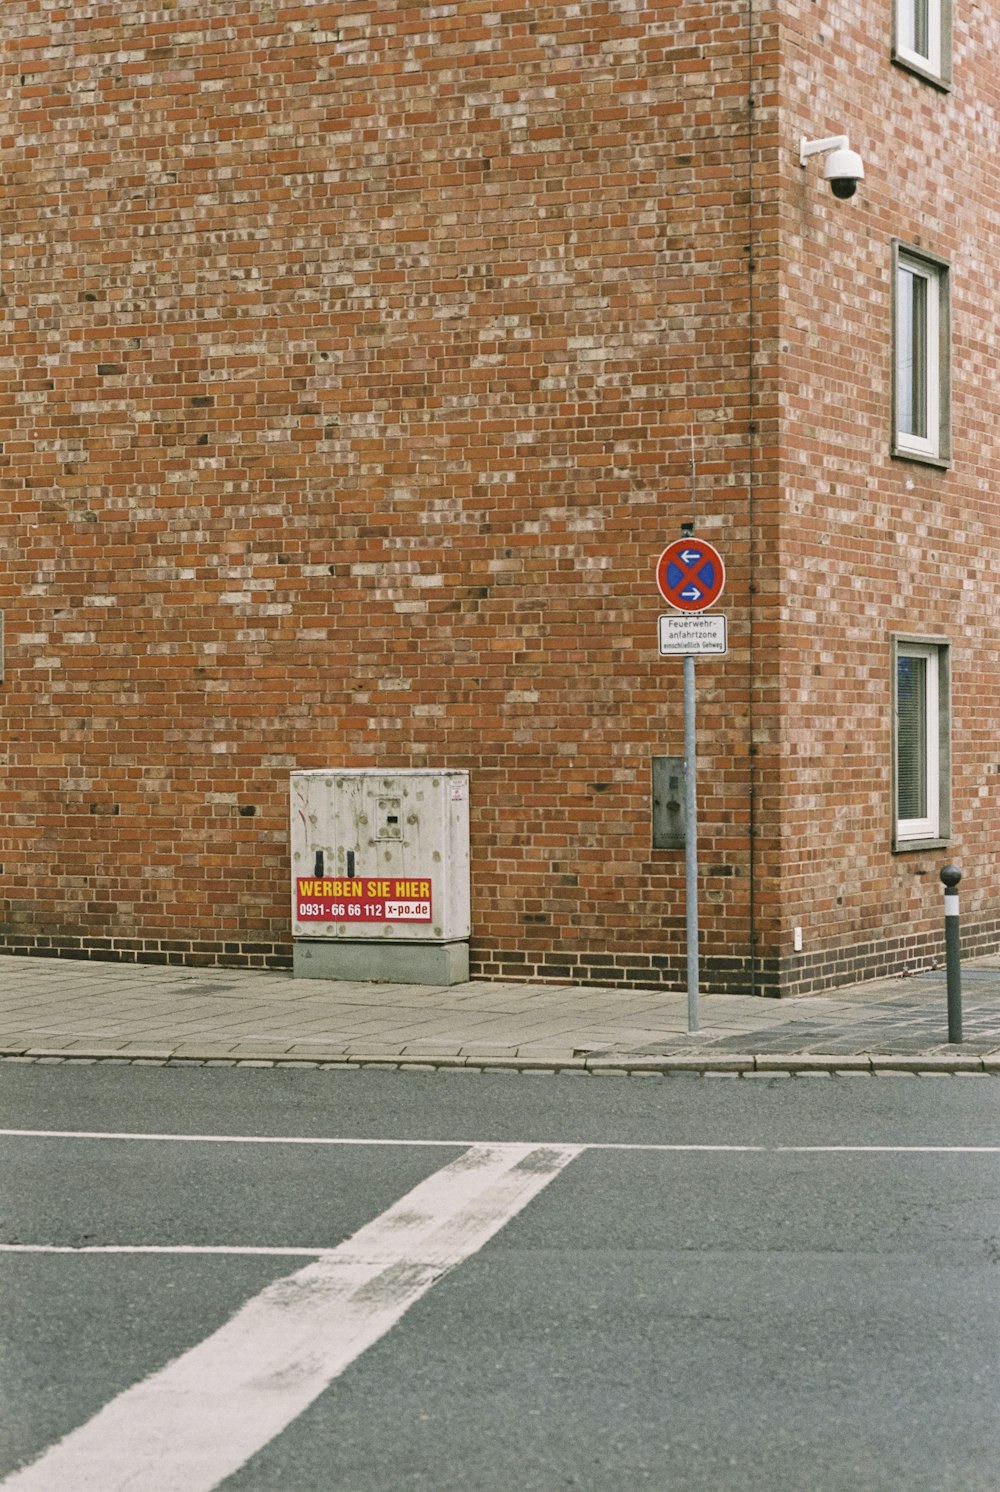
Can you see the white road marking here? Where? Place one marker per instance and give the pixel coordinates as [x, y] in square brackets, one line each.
[576, 1145]
[195, 1422]
[156, 1248]
[101, 1134]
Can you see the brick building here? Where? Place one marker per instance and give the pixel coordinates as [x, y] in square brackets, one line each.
[358, 361]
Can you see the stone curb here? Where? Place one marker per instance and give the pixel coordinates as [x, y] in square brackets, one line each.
[935, 1062]
[693, 1062]
[811, 1062]
[696, 1062]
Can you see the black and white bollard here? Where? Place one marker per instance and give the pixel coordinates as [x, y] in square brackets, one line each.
[951, 875]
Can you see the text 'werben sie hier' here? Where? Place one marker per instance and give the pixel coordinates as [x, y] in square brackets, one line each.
[355, 888]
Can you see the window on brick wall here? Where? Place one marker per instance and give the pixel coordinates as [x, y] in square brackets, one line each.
[922, 38]
[921, 364]
[921, 743]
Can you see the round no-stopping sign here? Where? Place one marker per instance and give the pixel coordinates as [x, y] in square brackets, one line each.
[690, 574]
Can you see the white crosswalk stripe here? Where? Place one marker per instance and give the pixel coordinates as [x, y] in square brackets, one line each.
[196, 1421]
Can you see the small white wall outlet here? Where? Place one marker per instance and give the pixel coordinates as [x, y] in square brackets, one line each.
[797, 939]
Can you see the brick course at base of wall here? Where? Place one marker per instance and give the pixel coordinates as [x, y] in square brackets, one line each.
[784, 978]
[152, 951]
[719, 976]
[803, 974]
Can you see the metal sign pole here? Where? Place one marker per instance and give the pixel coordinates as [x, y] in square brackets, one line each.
[690, 576]
[691, 841]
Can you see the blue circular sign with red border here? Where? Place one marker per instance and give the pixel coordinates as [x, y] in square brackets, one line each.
[690, 574]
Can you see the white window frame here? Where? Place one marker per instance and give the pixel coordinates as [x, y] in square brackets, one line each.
[921, 375]
[933, 826]
[930, 54]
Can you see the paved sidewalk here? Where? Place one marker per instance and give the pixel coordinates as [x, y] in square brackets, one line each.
[61, 1009]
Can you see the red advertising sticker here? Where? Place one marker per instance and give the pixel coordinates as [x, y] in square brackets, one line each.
[396, 899]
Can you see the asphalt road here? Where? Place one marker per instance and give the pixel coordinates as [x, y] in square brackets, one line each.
[812, 1307]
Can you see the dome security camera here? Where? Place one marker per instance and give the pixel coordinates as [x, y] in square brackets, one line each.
[843, 169]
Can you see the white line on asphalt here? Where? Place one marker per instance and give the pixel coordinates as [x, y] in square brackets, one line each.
[156, 1248]
[98, 1134]
[577, 1145]
[195, 1422]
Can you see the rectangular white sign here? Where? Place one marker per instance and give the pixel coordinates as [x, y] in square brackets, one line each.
[692, 634]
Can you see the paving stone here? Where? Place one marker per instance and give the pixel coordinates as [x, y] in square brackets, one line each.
[150, 1015]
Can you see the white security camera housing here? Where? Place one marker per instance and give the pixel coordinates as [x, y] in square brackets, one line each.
[843, 167]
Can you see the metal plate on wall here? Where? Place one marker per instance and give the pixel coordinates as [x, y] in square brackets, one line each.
[669, 824]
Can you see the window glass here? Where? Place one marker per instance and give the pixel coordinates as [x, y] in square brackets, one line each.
[911, 727]
[921, 414]
[923, 38]
[915, 28]
[921, 749]
[911, 363]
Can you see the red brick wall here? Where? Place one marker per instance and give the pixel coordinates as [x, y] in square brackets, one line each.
[351, 357]
[872, 545]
